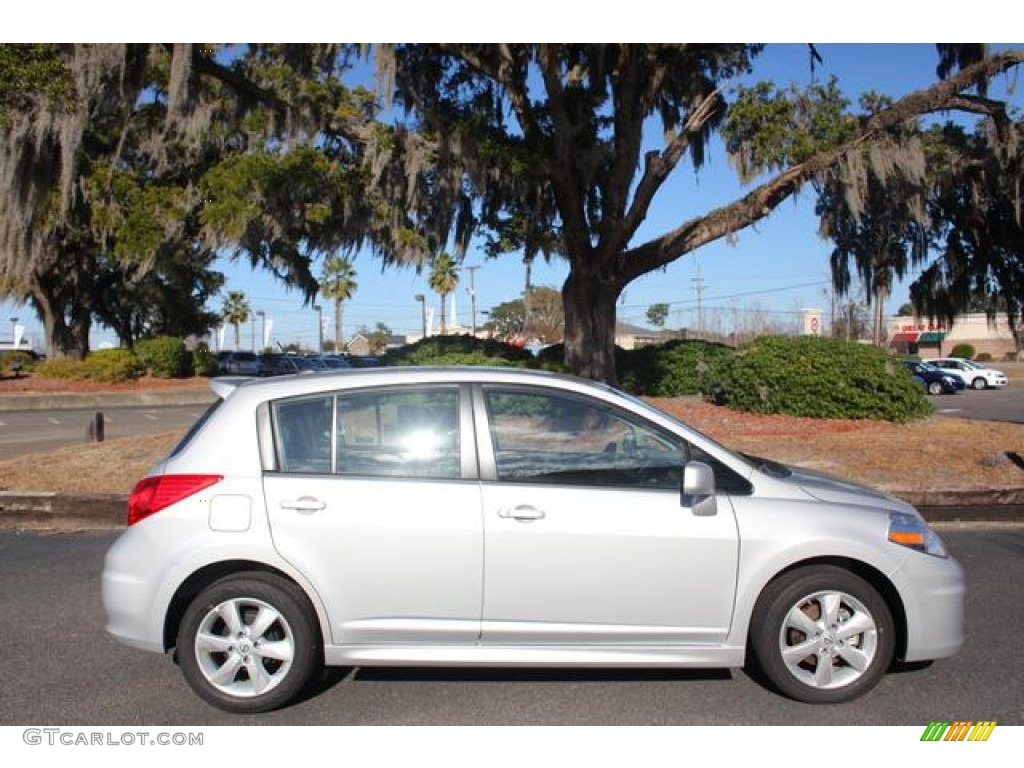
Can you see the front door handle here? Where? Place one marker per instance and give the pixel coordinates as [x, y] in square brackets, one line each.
[304, 504]
[523, 512]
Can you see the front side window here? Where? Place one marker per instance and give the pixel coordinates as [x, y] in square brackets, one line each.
[542, 437]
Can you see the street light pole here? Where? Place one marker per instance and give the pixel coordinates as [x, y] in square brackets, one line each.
[319, 329]
[472, 296]
[263, 329]
[14, 331]
[423, 311]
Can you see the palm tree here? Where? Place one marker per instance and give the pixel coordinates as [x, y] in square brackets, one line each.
[338, 282]
[236, 311]
[444, 278]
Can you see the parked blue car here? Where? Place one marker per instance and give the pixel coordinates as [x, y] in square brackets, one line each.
[934, 381]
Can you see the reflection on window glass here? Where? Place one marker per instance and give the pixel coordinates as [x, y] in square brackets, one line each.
[399, 433]
[555, 438]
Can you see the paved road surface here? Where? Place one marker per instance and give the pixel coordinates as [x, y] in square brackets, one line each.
[59, 668]
[24, 432]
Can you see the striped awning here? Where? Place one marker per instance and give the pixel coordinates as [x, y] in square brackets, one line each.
[904, 338]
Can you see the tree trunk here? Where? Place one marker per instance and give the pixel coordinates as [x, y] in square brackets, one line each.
[337, 326]
[443, 297]
[590, 325]
[63, 340]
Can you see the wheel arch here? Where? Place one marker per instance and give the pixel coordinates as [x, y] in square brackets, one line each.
[207, 575]
[878, 580]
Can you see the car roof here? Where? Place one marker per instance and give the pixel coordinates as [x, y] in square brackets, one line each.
[352, 378]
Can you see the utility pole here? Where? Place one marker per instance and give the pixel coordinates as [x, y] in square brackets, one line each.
[698, 286]
[472, 297]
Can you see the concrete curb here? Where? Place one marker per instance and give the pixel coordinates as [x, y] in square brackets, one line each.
[62, 510]
[108, 510]
[67, 401]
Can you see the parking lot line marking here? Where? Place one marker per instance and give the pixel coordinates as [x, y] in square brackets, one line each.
[3, 423]
[950, 410]
[151, 417]
[53, 420]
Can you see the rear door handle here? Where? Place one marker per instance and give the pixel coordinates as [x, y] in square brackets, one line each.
[523, 512]
[305, 504]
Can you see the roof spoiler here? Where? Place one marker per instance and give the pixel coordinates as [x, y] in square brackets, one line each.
[223, 386]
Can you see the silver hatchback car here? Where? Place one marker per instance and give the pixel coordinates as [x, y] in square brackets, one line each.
[493, 517]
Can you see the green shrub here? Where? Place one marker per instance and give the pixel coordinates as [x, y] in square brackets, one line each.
[672, 369]
[821, 378]
[164, 357]
[458, 350]
[62, 368]
[112, 366]
[9, 359]
[204, 363]
[963, 350]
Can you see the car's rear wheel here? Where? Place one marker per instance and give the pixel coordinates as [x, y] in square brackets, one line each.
[822, 635]
[979, 383]
[249, 643]
[935, 388]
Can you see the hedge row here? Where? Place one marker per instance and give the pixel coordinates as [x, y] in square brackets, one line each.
[821, 378]
[161, 357]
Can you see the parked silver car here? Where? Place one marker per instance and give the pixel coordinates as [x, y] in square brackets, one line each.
[500, 517]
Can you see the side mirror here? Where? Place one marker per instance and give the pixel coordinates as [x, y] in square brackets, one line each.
[698, 491]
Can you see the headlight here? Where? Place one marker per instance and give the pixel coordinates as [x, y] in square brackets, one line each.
[910, 531]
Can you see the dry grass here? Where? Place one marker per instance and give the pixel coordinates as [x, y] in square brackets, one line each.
[113, 466]
[937, 454]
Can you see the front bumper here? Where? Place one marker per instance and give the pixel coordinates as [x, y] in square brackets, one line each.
[934, 591]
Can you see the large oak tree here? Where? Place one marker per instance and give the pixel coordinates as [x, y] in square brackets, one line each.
[551, 138]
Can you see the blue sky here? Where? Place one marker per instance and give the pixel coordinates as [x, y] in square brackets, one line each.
[775, 268]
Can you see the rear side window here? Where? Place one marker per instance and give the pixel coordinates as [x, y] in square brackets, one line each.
[303, 436]
[411, 433]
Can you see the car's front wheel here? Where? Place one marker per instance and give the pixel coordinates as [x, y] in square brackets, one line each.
[935, 388]
[822, 635]
[249, 643]
[979, 383]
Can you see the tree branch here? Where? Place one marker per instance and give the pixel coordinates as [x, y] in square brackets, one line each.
[563, 175]
[942, 96]
[658, 166]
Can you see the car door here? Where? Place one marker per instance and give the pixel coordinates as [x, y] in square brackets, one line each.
[587, 539]
[373, 496]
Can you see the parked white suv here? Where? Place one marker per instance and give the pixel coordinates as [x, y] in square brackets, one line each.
[486, 517]
[974, 375]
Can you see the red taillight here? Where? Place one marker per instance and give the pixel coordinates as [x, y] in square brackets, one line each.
[152, 494]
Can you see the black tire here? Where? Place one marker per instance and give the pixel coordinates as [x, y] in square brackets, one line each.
[791, 614]
[935, 388]
[269, 656]
[979, 383]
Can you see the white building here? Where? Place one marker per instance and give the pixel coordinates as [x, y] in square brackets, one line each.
[915, 335]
